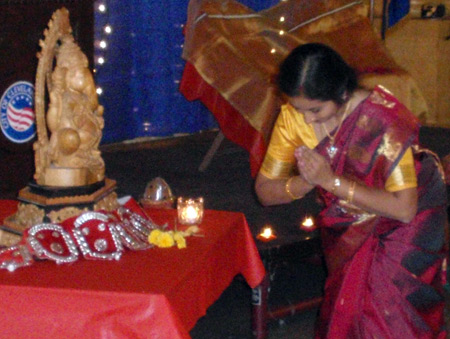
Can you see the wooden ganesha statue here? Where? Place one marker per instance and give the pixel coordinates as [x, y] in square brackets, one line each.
[67, 151]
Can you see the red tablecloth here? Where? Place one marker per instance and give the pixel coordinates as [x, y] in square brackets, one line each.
[157, 293]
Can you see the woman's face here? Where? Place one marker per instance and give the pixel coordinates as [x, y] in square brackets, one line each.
[314, 111]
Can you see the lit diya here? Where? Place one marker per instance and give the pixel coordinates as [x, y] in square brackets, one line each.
[308, 224]
[266, 234]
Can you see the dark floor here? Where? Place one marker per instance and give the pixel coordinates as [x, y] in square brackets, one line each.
[226, 184]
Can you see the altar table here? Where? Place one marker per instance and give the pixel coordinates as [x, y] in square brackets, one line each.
[156, 293]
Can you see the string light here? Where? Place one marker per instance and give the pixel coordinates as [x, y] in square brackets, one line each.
[101, 37]
[102, 8]
[146, 125]
[281, 32]
[282, 19]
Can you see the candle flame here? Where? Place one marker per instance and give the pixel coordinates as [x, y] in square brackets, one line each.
[267, 232]
[191, 212]
[308, 222]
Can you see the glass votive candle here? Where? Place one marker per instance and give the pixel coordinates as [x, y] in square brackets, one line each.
[190, 211]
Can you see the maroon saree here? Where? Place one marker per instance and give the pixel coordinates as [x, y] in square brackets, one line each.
[384, 277]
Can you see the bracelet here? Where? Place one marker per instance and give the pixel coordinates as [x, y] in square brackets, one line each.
[336, 184]
[351, 192]
[288, 191]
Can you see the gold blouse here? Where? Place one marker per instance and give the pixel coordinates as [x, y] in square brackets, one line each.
[291, 131]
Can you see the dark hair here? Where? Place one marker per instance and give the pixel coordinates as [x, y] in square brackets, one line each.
[317, 72]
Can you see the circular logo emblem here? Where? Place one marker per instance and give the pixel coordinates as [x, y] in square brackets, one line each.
[17, 113]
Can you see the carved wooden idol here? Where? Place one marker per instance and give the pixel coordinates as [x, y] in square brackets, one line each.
[70, 172]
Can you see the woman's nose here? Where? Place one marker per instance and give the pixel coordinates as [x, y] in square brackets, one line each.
[309, 117]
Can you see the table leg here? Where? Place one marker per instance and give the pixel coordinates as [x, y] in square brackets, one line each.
[260, 296]
[212, 150]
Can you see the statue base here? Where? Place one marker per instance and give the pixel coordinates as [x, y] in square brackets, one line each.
[48, 204]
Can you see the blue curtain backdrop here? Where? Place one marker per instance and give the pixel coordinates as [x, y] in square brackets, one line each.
[142, 66]
[397, 10]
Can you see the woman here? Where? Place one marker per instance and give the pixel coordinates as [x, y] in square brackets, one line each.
[384, 217]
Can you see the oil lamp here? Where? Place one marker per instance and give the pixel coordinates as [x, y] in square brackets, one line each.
[266, 234]
[308, 224]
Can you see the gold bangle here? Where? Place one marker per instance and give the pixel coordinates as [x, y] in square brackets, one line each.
[288, 191]
[351, 192]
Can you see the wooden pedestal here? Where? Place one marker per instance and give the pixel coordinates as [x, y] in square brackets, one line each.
[52, 204]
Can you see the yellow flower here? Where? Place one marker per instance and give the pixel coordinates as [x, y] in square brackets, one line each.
[165, 240]
[180, 240]
[153, 236]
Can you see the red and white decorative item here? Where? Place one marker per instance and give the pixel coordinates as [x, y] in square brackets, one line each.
[97, 237]
[91, 235]
[14, 257]
[51, 241]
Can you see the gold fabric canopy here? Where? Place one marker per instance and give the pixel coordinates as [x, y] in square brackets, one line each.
[237, 51]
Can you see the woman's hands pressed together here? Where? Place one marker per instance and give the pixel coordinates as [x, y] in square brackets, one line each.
[316, 171]
[313, 167]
